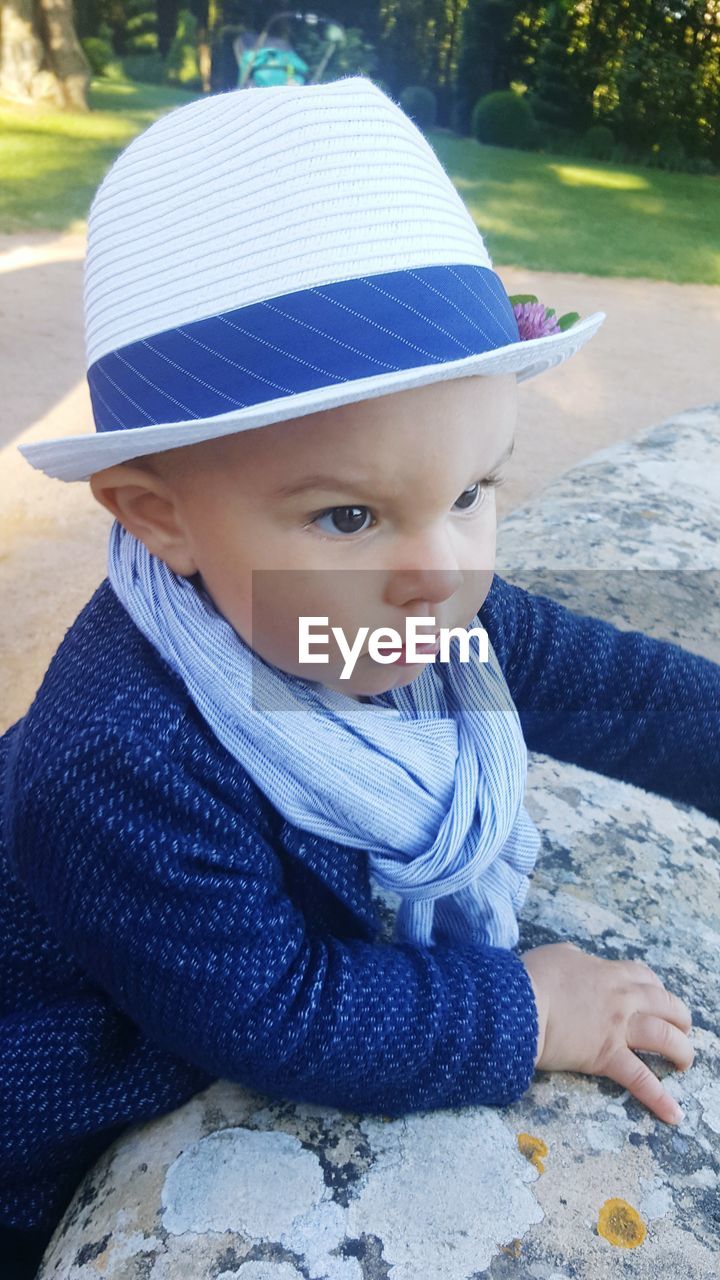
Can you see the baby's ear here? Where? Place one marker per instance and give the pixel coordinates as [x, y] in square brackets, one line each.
[145, 505]
[120, 487]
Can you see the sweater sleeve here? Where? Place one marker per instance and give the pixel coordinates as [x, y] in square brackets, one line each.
[177, 908]
[621, 703]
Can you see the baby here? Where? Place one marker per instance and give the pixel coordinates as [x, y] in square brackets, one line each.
[303, 372]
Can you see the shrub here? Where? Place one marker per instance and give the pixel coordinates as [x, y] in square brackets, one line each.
[98, 52]
[114, 71]
[182, 66]
[420, 104]
[597, 142]
[504, 119]
[145, 68]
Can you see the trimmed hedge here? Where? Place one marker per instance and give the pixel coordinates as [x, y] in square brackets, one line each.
[503, 119]
[99, 54]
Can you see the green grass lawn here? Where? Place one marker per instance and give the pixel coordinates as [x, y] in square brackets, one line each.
[565, 213]
[545, 212]
[52, 162]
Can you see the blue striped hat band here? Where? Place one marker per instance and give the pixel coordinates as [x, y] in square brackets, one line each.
[300, 341]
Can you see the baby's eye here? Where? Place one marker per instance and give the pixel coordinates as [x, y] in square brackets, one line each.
[475, 496]
[471, 497]
[344, 519]
[349, 520]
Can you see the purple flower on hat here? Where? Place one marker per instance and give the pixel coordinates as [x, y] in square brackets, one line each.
[535, 320]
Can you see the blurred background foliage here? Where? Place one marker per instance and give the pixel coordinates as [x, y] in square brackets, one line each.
[631, 81]
[599, 119]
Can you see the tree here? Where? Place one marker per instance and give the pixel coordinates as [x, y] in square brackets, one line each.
[557, 96]
[418, 44]
[40, 56]
[167, 16]
[483, 60]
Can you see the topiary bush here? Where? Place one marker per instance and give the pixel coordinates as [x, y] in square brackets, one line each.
[144, 68]
[99, 54]
[420, 104]
[597, 142]
[504, 119]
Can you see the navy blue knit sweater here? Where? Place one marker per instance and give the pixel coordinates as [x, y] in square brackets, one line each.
[161, 925]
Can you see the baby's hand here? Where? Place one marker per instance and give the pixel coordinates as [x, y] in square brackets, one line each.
[593, 1013]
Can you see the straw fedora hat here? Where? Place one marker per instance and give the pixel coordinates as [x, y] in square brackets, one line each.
[266, 253]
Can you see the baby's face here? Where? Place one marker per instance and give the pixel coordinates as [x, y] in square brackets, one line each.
[366, 515]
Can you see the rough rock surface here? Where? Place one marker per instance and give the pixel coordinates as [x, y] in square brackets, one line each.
[576, 1179]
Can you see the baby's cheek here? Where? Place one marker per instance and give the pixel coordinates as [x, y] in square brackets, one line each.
[273, 625]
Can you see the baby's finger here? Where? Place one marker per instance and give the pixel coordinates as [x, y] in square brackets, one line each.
[663, 1004]
[632, 1074]
[657, 1035]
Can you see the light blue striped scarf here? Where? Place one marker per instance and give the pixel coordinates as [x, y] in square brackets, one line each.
[428, 778]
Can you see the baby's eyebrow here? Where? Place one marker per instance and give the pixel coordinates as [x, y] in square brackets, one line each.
[318, 482]
[356, 484]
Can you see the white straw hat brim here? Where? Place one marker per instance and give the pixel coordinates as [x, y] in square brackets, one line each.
[78, 457]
